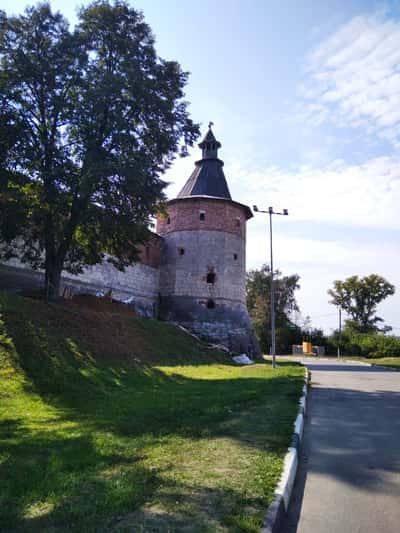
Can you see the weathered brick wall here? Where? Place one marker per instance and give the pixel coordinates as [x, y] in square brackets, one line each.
[217, 215]
[204, 251]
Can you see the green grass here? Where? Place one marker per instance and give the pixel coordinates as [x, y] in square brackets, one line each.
[91, 439]
[391, 362]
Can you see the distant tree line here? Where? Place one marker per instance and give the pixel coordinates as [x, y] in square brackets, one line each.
[289, 330]
[363, 332]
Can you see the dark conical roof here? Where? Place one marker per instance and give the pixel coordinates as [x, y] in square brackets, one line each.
[208, 178]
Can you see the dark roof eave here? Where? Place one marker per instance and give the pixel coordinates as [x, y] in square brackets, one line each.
[246, 208]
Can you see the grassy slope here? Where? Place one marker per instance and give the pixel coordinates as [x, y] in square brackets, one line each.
[391, 362]
[91, 439]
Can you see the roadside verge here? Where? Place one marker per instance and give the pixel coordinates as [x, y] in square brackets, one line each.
[283, 491]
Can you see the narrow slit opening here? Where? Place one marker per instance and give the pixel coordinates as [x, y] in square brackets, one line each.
[210, 304]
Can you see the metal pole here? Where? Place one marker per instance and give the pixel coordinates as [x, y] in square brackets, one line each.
[273, 342]
[340, 331]
[273, 332]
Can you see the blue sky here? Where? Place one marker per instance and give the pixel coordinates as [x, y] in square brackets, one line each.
[305, 97]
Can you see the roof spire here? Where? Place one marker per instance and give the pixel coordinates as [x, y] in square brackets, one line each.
[209, 145]
[208, 178]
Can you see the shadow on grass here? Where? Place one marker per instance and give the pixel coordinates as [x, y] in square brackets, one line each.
[60, 481]
[205, 510]
[65, 481]
[282, 364]
[86, 465]
[53, 494]
[115, 339]
[137, 399]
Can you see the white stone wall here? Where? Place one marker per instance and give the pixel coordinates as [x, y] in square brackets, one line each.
[139, 282]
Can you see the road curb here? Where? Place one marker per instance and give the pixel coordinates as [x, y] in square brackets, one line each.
[283, 491]
[361, 363]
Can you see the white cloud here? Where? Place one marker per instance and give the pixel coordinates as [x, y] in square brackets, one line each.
[319, 262]
[366, 195]
[354, 77]
[358, 199]
[335, 255]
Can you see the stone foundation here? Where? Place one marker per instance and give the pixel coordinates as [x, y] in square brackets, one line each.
[228, 323]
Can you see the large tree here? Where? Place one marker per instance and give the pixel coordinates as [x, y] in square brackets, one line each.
[258, 291]
[359, 297]
[91, 118]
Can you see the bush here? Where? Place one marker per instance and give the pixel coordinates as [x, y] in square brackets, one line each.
[386, 346]
[367, 344]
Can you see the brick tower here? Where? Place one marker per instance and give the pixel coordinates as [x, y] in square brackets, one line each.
[203, 259]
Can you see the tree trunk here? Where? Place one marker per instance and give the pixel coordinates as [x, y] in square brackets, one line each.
[52, 281]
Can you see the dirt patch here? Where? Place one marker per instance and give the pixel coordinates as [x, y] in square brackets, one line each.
[108, 332]
[89, 301]
[103, 330]
[106, 329]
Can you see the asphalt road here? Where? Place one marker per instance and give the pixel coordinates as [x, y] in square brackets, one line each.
[349, 475]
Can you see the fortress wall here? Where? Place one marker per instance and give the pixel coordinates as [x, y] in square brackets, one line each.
[138, 283]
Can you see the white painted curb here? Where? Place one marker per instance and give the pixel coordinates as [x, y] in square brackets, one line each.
[283, 491]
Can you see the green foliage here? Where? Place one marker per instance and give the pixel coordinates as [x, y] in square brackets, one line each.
[89, 442]
[369, 345]
[258, 293]
[359, 297]
[316, 336]
[91, 118]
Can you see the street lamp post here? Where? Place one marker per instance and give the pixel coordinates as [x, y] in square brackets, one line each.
[271, 212]
[340, 331]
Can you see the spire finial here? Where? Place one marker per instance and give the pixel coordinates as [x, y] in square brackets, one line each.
[209, 144]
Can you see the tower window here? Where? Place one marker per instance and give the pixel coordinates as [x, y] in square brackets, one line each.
[210, 304]
[181, 251]
[211, 277]
[202, 215]
[168, 220]
[235, 256]
[238, 222]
